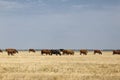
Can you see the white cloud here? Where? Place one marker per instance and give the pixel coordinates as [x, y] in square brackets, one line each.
[96, 7]
[17, 4]
[10, 5]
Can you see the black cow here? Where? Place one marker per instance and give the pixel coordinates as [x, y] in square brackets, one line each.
[57, 52]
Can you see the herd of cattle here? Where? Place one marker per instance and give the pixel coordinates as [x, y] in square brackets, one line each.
[60, 52]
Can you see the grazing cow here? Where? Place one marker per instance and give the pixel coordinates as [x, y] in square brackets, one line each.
[83, 51]
[116, 52]
[46, 51]
[67, 52]
[1, 51]
[11, 51]
[97, 51]
[57, 52]
[31, 50]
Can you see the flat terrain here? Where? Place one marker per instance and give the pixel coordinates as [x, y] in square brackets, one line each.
[33, 66]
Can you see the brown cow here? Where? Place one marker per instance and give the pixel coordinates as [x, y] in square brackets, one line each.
[83, 51]
[116, 52]
[46, 51]
[1, 51]
[11, 51]
[67, 52]
[31, 50]
[97, 51]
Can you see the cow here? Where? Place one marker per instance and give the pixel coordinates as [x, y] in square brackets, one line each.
[1, 51]
[67, 52]
[31, 50]
[57, 52]
[97, 51]
[83, 51]
[11, 51]
[46, 51]
[116, 52]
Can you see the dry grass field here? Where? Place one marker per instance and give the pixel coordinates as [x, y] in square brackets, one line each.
[33, 66]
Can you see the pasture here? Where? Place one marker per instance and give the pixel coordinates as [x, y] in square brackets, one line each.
[34, 66]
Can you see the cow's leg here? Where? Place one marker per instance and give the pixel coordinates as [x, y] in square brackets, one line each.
[59, 54]
[8, 54]
[50, 54]
[12, 54]
[80, 53]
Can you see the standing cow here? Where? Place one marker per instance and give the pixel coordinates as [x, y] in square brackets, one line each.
[116, 52]
[67, 52]
[57, 52]
[31, 50]
[11, 51]
[97, 51]
[46, 51]
[83, 51]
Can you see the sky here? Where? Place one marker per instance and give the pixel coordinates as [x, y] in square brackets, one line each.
[69, 24]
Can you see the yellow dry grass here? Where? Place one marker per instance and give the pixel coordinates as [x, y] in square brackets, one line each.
[33, 66]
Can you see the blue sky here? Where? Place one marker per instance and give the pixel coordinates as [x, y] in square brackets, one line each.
[92, 24]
